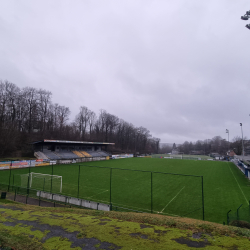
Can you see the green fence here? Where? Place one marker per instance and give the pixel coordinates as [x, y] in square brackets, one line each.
[240, 217]
[123, 189]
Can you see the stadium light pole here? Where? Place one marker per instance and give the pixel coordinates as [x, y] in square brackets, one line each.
[242, 142]
[227, 132]
[246, 17]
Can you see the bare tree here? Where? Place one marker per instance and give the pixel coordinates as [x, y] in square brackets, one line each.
[44, 101]
[28, 114]
[92, 120]
[31, 103]
[236, 144]
[63, 117]
[82, 121]
[8, 106]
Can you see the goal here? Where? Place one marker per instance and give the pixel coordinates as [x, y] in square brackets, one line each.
[45, 182]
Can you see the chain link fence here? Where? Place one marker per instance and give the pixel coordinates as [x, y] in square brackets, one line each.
[121, 189]
[239, 218]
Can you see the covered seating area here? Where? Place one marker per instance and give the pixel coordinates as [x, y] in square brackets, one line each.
[61, 149]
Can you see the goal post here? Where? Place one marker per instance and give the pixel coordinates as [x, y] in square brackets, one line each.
[42, 181]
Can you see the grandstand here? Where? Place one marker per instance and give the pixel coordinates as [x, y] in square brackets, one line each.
[67, 155]
[78, 153]
[94, 154]
[40, 155]
[103, 153]
[85, 154]
[60, 149]
[98, 154]
[50, 155]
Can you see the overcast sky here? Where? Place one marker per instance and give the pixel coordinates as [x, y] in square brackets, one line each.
[179, 68]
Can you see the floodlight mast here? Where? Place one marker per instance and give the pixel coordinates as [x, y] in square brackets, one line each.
[246, 17]
[227, 131]
[243, 153]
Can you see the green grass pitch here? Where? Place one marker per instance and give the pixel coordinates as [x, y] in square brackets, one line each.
[225, 187]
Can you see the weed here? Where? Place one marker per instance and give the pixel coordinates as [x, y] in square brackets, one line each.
[81, 235]
[97, 245]
[206, 228]
[170, 223]
[7, 241]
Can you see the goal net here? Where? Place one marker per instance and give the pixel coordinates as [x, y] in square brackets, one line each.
[45, 182]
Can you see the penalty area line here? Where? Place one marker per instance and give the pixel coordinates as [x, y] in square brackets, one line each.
[98, 193]
[171, 200]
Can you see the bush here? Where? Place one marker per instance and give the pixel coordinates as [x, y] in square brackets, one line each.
[240, 223]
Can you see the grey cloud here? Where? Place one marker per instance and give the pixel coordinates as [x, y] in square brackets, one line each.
[179, 68]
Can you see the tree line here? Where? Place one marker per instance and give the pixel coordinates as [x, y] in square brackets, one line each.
[28, 114]
[215, 145]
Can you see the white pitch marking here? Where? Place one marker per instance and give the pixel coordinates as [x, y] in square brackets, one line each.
[171, 200]
[238, 184]
[98, 193]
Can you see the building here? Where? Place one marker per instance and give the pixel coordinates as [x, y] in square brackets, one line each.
[175, 150]
[231, 153]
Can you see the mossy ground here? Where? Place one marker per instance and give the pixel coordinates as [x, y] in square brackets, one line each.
[30, 227]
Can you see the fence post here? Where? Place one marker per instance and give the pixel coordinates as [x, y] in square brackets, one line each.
[78, 180]
[43, 183]
[228, 216]
[40, 198]
[238, 212]
[248, 206]
[15, 195]
[151, 192]
[13, 182]
[53, 200]
[9, 176]
[110, 179]
[52, 171]
[203, 209]
[28, 186]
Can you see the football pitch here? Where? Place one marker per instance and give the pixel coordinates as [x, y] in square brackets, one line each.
[224, 186]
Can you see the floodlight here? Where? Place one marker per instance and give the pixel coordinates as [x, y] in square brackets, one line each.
[248, 26]
[248, 13]
[240, 124]
[245, 17]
